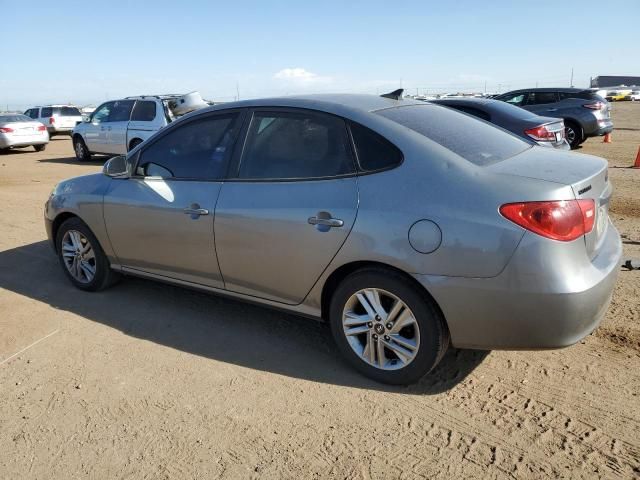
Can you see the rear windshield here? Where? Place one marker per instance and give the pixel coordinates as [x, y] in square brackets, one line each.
[14, 118]
[478, 142]
[585, 95]
[67, 111]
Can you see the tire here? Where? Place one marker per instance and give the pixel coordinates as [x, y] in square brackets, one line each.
[425, 329]
[75, 232]
[573, 134]
[81, 150]
[40, 148]
[134, 143]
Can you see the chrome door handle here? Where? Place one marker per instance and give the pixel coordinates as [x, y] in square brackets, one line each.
[325, 220]
[195, 211]
[552, 110]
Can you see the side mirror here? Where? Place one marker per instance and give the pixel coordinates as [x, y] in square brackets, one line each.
[116, 167]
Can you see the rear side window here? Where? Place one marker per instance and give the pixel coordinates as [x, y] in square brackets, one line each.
[296, 145]
[198, 150]
[478, 142]
[121, 111]
[144, 111]
[374, 151]
[46, 112]
[537, 98]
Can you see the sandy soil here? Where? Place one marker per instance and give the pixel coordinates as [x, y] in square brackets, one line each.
[151, 381]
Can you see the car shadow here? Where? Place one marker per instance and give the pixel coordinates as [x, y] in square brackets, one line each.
[211, 326]
[95, 160]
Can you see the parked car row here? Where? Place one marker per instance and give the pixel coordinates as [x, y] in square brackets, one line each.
[584, 112]
[407, 226]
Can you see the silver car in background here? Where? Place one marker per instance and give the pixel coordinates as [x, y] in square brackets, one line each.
[17, 130]
[405, 225]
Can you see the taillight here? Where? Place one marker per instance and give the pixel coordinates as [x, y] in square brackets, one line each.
[42, 128]
[52, 120]
[563, 220]
[6, 130]
[595, 105]
[541, 134]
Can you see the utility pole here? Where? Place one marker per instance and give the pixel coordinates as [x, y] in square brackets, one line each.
[571, 78]
[237, 90]
[485, 86]
[536, 84]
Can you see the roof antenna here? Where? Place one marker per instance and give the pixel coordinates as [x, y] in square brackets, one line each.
[395, 95]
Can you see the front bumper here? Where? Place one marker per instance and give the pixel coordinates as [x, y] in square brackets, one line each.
[537, 302]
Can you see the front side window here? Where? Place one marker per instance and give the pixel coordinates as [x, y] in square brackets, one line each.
[101, 114]
[374, 151]
[121, 111]
[46, 112]
[198, 150]
[517, 99]
[144, 111]
[295, 145]
[477, 142]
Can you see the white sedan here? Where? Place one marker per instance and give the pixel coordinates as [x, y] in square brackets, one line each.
[17, 130]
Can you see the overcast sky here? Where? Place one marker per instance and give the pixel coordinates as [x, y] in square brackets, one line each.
[85, 52]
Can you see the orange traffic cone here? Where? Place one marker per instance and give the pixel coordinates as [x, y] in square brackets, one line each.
[607, 138]
[637, 164]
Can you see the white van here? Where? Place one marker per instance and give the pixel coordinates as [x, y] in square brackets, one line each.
[59, 119]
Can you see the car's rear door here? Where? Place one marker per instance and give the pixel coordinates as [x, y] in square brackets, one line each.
[291, 206]
[160, 221]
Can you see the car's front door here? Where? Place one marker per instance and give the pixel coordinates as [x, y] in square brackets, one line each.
[291, 207]
[116, 126]
[160, 220]
[94, 131]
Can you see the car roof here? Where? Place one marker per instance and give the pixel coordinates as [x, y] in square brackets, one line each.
[548, 89]
[329, 102]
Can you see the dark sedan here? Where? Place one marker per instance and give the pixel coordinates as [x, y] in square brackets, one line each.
[545, 131]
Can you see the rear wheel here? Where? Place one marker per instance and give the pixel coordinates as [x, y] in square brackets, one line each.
[82, 259]
[39, 148]
[573, 134]
[81, 150]
[386, 327]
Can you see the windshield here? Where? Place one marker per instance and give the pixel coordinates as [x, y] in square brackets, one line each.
[476, 141]
[67, 111]
[14, 118]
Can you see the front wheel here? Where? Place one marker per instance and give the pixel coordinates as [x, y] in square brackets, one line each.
[386, 327]
[81, 150]
[82, 258]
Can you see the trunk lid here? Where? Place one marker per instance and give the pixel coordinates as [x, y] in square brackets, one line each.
[587, 176]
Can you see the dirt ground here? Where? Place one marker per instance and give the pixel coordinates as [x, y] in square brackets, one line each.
[151, 381]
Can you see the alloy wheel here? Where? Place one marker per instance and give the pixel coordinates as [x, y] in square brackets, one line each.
[381, 329]
[78, 256]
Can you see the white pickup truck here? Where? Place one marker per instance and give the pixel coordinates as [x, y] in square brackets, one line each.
[117, 126]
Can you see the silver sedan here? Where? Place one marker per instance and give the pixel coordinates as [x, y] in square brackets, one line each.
[17, 130]
[405, 225]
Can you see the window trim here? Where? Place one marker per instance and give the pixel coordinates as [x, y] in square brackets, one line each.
[361, 171]
[233, 175]
[240, 112]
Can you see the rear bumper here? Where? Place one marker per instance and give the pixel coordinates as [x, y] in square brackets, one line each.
[6, 142]
[539, 301]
